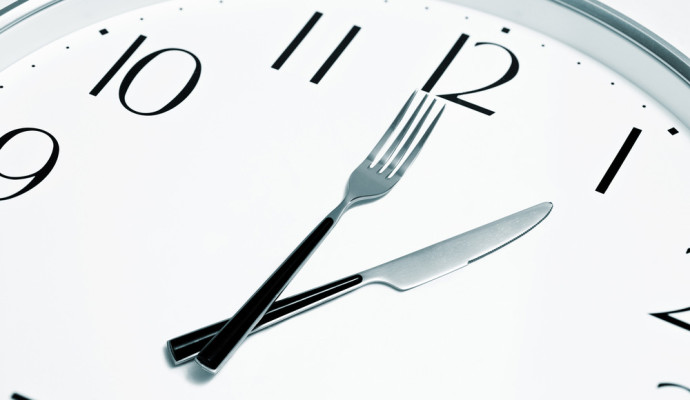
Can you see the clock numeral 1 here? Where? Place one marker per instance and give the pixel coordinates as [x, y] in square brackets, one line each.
[448, 59]
[134, 71]
[666, 316]
[618, 160]
[329, 61]
[35, 177]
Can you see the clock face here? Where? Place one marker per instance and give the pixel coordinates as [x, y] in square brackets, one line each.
[156, 167]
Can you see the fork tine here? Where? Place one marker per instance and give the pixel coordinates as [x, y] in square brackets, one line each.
[391, 128]
[399, 156]
[419, 144]
[388, 155]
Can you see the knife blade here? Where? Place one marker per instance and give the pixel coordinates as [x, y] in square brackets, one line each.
[403, 273]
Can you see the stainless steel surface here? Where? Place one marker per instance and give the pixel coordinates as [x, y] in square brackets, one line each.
[372, 179]
[442, 258]
[378, 173]
[663, 51]
[35, 9]
[421, 266]
[598, 41]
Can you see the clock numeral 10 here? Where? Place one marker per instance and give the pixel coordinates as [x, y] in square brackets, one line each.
[134, 71]
[35, 177]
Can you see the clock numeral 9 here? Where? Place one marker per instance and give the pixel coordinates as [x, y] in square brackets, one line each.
[134, 71]
[38, 176]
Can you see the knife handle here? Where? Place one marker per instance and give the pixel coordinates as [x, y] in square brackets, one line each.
[184, 348]
[222, 346]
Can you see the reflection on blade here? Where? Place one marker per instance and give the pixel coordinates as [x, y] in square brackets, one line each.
[449, 255]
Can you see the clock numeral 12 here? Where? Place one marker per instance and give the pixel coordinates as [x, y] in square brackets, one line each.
[441, 69]
[329, 61]
[134, 71]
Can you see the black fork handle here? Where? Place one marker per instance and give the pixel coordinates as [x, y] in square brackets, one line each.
[221, 347]
[185, 347]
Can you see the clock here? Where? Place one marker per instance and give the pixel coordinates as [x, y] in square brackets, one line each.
[157, 164]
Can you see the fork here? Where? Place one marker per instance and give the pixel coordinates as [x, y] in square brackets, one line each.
[371, 180]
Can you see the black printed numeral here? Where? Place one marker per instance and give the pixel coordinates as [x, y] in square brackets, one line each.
[454, 97]
[618, 160]
[39, 175]
[666, 316]
[134, 71]
[675, 385]
[329, 61]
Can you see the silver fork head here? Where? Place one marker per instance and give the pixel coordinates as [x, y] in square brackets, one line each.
[376, 176]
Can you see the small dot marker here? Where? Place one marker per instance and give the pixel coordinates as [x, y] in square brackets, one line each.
[505, 30]
[103, 31]
[673, 131]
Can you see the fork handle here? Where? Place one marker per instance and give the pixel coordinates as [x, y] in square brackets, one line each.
[183, 348]
[221, 347]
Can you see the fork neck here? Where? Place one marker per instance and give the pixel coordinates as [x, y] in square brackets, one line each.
[340, 209]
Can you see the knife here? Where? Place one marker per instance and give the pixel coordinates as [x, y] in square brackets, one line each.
[403, 273]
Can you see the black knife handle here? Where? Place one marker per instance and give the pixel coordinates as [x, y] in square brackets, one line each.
[233, 333]
[185, 347]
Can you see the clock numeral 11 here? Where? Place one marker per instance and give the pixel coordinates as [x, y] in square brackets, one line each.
[134, 71]
[329, 61]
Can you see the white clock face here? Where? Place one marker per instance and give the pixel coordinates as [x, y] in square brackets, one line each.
[172, 157]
